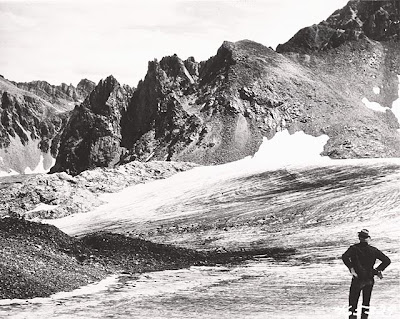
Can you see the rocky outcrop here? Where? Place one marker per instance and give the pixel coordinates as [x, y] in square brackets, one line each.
[57, 195]
[377, 20]
[92, 135]
[29, 130]
[63, 96]
[32, 116]
[84, 88]
[158, 123]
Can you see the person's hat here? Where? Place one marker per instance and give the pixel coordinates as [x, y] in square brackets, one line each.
[364, 233]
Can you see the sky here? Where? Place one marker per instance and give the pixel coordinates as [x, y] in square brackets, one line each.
[63, 41]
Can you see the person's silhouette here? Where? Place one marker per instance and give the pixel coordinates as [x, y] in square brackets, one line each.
[360, 259]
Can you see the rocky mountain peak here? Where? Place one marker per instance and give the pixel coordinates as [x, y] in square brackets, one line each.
[216, 67]
[176, 69]
[63, 96]
[107, 95]
[84, 87]
[92, 136]
[377, 20]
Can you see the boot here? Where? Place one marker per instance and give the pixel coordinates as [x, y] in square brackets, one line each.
[352, 312]
[364, 312]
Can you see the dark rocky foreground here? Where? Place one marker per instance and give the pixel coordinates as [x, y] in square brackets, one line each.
[37, 260]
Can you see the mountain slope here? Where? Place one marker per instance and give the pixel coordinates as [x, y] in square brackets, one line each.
[247, 92]
[327, 80]
[28, 130]
[376, 20]
[32, 116]
[63, 96]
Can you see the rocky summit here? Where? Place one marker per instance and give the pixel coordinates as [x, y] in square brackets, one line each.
[339, 78]
[63, 96]
[92, 137]
[375, 20]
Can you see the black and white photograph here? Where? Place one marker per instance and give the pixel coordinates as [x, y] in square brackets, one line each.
[199, 159]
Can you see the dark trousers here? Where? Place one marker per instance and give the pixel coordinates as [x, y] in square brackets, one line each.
[358, 285]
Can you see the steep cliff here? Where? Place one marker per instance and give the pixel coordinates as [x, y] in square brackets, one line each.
[376, 20]
[32, 116]
[92, 135]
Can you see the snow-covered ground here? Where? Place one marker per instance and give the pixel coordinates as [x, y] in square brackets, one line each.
[142, 202]
[312, 204]
[308, 203]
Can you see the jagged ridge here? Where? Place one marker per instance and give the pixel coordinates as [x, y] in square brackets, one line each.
[32, 116]
[92, 135]
[377, 20]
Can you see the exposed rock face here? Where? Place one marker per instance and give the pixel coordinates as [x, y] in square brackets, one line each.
[220, 110]
[29, 129]
[158, 123]
[32, 116]
[92, 136]
[63, 96]
[377, 20]
[84, 88]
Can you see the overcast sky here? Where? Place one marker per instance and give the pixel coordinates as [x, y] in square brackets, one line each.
[67, 40]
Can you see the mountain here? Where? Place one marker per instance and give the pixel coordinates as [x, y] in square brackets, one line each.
[63, 96]
[92, 136]
[375, 20]
[339, 78]
[32, 116]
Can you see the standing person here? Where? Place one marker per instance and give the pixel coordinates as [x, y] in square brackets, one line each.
[360, 259]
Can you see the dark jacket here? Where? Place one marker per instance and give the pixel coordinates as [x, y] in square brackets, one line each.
[362, 258]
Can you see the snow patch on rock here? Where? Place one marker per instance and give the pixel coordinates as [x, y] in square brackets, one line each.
[42, 167]
[9, 172]
[43, 207]
[377, 90]
[396, 106]
[374, 105]
[379, 108]
[291, 149]
[24, 158]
